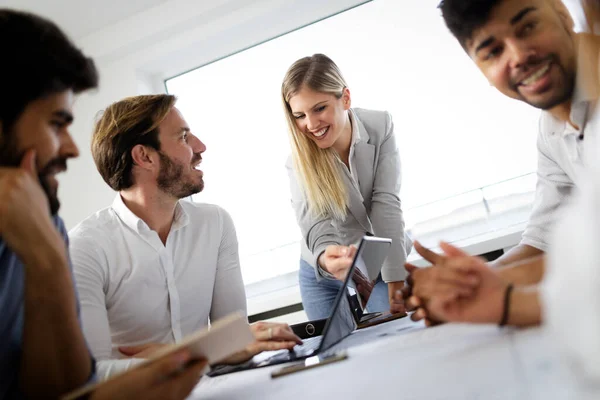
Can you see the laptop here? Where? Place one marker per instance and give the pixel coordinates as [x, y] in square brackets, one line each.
[366, 273]
[339, 325]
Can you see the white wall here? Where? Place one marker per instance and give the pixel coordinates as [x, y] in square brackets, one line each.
[136, 54]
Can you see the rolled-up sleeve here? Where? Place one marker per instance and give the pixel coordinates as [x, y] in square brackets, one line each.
[229, 294]
[386, 211]
[552, 189]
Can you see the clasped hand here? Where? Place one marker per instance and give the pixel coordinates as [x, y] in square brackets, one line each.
[456, 288]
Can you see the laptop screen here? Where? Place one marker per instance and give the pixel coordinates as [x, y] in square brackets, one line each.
[364, 277]
[371, 252]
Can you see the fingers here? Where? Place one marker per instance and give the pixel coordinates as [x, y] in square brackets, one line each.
[28, 162]
[410, 267]
[397, 309]
[465, 265]
[285, 334]
[352, 251]
[339, 267]
[260, 346]
[453, 275]
[337, 251]
[406, 292]
[270, 331]
[444, 290]
[337, 260]
[132, 350]
[452, 251]
[413, 303]
[397, 305]
[427, 254]
[419, 315]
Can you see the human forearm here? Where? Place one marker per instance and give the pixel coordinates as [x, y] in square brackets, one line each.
[55, 358]
[525, 309]
[515, 255]
[525, 272]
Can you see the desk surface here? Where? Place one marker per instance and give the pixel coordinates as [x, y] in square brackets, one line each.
[405, 361]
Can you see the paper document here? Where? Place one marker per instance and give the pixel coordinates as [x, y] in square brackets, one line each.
[225, 337]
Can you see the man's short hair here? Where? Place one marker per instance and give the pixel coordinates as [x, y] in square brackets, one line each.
[121, 127]
[37, 59]
[463, 17]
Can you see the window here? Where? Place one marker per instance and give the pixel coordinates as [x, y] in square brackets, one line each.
[456, 133]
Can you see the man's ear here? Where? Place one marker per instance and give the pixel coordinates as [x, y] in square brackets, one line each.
[564, 14]
[142, 157]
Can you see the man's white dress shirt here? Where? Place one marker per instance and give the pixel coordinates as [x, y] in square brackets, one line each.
[134, 290]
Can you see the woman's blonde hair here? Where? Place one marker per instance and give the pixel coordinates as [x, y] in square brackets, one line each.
[317, 169]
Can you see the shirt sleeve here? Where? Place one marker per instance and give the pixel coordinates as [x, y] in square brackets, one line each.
[89, 266]
[386, 211]
[552, 189]
[317, 233]
[229, 294]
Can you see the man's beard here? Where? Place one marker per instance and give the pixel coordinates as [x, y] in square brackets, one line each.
[564, 94]
[51, 193]
[11, 157]
[171, 178]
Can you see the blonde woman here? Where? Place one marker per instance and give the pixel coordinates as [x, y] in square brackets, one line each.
[345, 180]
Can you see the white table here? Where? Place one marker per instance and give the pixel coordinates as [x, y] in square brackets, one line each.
[284, 290]
[402, 360]
[499, 239]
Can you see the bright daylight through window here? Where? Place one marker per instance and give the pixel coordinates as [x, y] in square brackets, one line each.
[456, 133]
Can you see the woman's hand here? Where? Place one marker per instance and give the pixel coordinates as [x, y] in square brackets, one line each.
[337, 260]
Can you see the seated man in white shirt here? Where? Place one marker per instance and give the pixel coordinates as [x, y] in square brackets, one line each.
[529, 51]
[153, 268]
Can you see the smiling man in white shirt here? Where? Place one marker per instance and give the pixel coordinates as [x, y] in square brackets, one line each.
[529, 51]
[153, 268]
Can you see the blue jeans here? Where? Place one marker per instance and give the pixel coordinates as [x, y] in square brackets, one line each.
[318, 296]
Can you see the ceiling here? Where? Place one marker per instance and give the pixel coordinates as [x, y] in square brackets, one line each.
[80, 18]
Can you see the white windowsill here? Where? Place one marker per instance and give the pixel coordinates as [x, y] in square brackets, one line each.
[284, 290]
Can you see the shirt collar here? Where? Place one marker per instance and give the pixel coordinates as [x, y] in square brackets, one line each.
[181, 217]
[357, 129]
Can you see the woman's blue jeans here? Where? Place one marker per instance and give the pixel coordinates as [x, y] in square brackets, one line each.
[318, 296]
